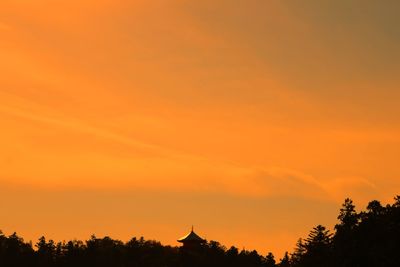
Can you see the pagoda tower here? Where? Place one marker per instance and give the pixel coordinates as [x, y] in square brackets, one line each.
[191, 240]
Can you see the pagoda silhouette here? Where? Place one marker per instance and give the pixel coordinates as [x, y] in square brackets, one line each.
[191, 240]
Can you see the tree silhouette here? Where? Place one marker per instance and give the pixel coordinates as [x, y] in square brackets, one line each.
[285, 261]
[317, 247]
[298, 254]
[46, 252]
[270, 260]
[369, 238]
[348, 217]
[14, 251]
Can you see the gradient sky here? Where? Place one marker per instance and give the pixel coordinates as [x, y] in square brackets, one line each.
[250, 119]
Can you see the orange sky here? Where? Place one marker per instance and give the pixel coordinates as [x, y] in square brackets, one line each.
[252, 120]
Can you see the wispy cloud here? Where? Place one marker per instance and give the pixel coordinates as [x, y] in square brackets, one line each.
[281, 182]
[162, 168]
[354, 187]
[79, 126]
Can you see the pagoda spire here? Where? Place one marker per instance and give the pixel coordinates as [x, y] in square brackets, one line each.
[191, 240]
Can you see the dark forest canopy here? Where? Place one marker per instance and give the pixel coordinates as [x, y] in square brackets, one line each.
[367, 238]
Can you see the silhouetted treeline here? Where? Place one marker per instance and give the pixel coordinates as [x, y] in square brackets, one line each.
[367, 238]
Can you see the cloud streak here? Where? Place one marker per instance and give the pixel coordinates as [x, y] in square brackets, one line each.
[169, 170]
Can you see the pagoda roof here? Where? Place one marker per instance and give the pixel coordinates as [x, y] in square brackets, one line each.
[192, 236]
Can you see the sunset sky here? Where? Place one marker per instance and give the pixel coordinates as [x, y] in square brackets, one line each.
[250, 119]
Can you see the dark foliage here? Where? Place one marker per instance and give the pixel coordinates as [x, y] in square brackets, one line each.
[369, 238]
